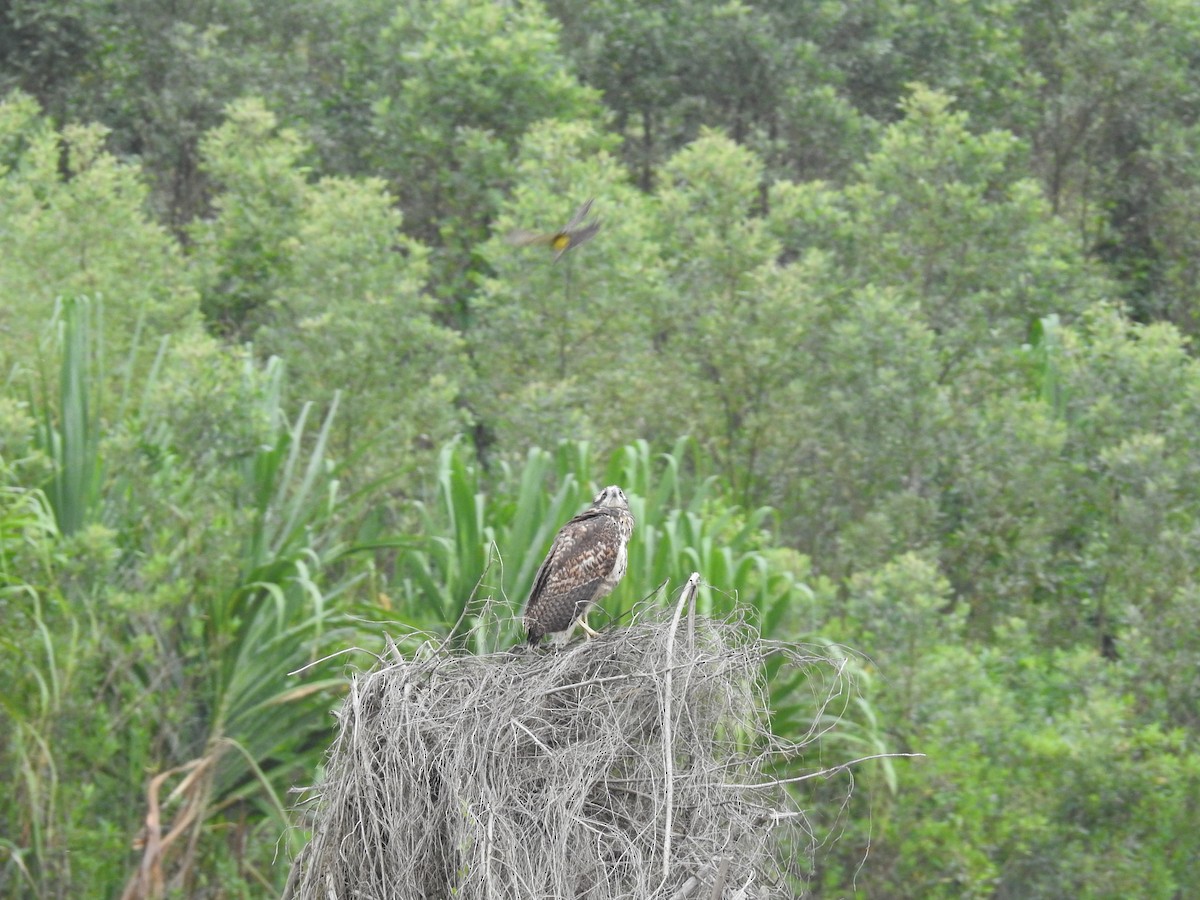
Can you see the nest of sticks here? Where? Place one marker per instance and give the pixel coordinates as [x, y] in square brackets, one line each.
[636, 765]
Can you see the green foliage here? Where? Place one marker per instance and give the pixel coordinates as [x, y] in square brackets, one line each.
[183, 639]
[244, 251]
[669, 70]
[320, 273]
[1115, 103]
[940, 404]
[73, 441]
[941, 214]
[42, 48]
[38, 672]
[275, 617]
[1039, 781]
[476, 544]
[1123, 547]
[736, 316]
[60, 195]
[446, 124]
[159, 77]
[561, 344]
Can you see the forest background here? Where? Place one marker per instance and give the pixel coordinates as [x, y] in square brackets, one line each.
[888, 331]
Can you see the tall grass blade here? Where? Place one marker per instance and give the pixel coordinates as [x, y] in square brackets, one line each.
[70, 431]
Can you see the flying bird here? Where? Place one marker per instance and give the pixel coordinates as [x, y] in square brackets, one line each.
[585, 562]
[571, 235]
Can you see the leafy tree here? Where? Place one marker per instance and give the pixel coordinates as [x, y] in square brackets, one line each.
[1004, 504]
[562, 346]
[1041, 777]
[447, 123]
[734, 316]
[632, 53]
[43, 49]
[1166, 288]
[669, 70]
[242, 253]
[1116, 97]
[321, 274]
[1131, 400]
[971, 50]
[945, 215]
[934, 263]
[60, 195]
[168, 73]
[859, 473]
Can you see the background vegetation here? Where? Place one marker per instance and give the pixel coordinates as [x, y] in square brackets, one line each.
[888, 331]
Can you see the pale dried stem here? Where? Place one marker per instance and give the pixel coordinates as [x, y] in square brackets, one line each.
[638, 764]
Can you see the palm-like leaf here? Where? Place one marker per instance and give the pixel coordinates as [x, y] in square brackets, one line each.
[265, 723]
[496, 540]
[70, 433]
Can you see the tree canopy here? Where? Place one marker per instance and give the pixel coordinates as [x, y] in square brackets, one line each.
[887, 331]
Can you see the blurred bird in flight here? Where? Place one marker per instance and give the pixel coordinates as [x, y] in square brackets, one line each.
[569, 236]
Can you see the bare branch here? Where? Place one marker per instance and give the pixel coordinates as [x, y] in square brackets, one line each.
[626, 766]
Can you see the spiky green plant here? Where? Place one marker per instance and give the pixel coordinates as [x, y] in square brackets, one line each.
[1045, 351]
[264, 688]
[474, 543]
[482, 539]
[70, 432]
[41, 649]
[192, 638]
[495, 538]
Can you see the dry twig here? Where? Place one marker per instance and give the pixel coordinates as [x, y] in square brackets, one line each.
[635, 765]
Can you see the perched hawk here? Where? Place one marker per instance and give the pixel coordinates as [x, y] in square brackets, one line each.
[585, 562]
[571, 235]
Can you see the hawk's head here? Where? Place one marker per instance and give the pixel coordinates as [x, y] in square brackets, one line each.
[611, 496]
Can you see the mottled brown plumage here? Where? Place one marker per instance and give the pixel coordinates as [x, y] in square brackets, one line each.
[585, 562]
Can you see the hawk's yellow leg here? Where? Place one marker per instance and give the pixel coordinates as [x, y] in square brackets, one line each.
[587, 629]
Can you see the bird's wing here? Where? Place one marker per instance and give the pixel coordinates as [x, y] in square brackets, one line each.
[580, 215]
[581, 557]
[575, 238]
[521, 237]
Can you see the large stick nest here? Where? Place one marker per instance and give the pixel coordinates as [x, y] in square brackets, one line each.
[635, 766]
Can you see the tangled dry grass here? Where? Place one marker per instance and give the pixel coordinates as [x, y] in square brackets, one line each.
[631, 766]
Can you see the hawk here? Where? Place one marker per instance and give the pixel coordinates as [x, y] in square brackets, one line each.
[571, 235]
[585, 562]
